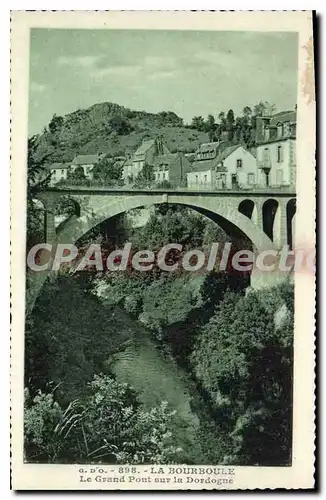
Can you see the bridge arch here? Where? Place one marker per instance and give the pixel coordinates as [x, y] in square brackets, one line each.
[248, 208]
[290, 219]
[229, 218]
[270, 210]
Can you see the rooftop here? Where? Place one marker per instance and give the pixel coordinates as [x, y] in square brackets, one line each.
[144, 147]
[57, 166]
[208, 147]
[166, 158]
[86, 159]
[223, 152]
[284, 116]
[203, 166]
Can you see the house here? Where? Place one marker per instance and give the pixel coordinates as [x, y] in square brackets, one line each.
[144, 155]
[222, 165]
[203, 168]
[172, 168]
[276, 149]
[87, 163]
[240, 168]
[59, 172]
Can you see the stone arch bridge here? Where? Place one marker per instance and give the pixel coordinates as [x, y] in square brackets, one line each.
[264, 217]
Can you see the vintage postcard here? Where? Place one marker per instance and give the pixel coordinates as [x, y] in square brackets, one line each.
[163, 237]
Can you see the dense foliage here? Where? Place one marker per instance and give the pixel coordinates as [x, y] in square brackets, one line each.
[108, 425]
[233, 128]
[243, 359]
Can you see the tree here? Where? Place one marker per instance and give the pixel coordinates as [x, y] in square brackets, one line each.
[247, 112]
[264, 108]
[170, 224]
[210, 123]
[77, 175]
[222, 118]
[238, 129]
[108, 172]
[230, 124]
[244, 362]
[38, 178]
[198, 123]
[146, 177]
[56, 124]
[210, 127]
[120, 125]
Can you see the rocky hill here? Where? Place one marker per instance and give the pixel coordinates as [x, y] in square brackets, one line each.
[112, 129]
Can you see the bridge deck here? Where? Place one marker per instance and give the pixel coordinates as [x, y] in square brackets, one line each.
[180, 191]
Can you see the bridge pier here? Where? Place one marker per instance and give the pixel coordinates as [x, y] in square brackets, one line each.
[280, 225]
[50, 232]
[258, 214]
[49, 203]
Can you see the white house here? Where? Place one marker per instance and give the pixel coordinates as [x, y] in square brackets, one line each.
[223, 166]
[276, 149]
[59, 172]
[87, 163]
[240, 168]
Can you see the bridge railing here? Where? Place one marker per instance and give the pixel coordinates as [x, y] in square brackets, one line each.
[125, 189]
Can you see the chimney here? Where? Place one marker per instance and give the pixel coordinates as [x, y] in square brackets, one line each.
[259, 129]
[159, 143]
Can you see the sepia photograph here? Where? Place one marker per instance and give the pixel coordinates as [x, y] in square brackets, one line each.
[161, 253]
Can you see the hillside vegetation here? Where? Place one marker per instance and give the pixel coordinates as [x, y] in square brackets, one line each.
[112, 129]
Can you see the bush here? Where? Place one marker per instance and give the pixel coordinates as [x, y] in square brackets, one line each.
[109, 425]
[120, 125]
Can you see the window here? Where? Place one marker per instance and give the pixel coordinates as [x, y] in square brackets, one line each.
[205, 178]
[234, 181]
[265, 155]
[279, 177]
[196, 179]
[62, 172]
[286, 128]
[163, 175]
[279, 130]
[267, 133]
[279, 154]
[239, 163]
[251, 179]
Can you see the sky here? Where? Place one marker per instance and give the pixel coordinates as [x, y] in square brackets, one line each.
[188, 72]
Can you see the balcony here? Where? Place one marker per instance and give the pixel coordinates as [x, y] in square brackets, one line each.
[265, 164]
